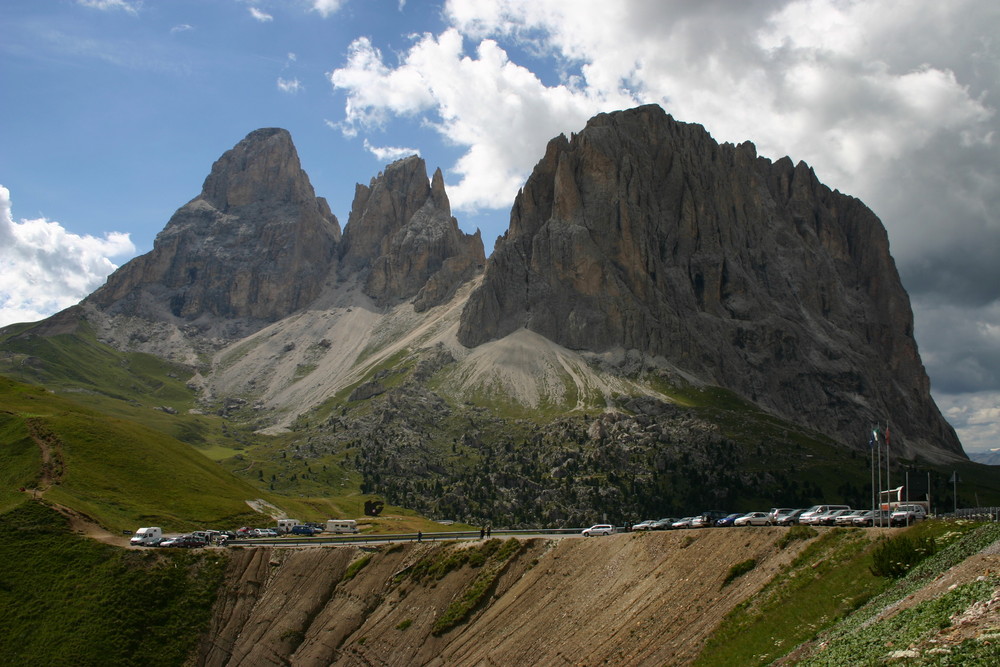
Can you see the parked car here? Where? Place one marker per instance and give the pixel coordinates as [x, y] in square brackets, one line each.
[830, 517]
[644, 525]
[790, 519]
[304, 530]
[778, 512]
[872, 518]
[598, 529]
[811, 515]
[665, 523]
[727, 521]
[847, 518]
[753, 519]
[904, 515]
[683, 523]
[708, 518]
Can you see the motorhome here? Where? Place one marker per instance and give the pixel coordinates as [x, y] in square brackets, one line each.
[285, 525]
[341, 526]
[146, 536]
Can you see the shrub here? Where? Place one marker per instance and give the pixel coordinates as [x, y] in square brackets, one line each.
[355, 567]
[738, 570]
[798, 532]
[894, 557]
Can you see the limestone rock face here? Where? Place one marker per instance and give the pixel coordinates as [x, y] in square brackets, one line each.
[402, 240]
[255, 245]
[644, 233]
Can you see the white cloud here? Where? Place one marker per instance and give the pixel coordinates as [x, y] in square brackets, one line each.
[291, 86]
[183, 27]
[106, 5]
[501, 112]
[44, 268]
[390, 153]
[326, 7]
[976, 418]
[261, 16]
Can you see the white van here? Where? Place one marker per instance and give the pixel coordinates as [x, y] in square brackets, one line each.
[341, 526]
[146, 536]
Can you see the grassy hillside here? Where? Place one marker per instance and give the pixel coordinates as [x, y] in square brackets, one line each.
[119, 472]
[65, 600]
[827, 597]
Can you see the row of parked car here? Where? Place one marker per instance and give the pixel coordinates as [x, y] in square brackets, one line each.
[817, 515]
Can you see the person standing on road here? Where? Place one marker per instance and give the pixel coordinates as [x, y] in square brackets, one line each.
[489, 529]
[482, 532]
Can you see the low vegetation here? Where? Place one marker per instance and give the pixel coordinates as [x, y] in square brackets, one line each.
[493, 565]
[897, 555]
[830, 596]
[738, 570]
[123, 607]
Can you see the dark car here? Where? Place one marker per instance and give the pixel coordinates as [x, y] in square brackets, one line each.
[727, 521]
[790, 519]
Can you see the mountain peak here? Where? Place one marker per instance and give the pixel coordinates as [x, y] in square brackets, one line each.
[263, 167]
[643, 233]
[255, 245]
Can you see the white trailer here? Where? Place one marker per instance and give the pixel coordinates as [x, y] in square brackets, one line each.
[341, 526]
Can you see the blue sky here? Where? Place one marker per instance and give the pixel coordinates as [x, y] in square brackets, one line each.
[115, 110]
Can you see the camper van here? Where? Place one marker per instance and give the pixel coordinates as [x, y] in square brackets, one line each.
[338, 526]
[146, 536]
[285, 525]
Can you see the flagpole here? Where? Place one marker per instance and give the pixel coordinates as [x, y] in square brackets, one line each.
[878, 449]
[871, 455]
[888, 484]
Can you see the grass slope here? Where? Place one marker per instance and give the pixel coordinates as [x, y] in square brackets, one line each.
[829, 593]
[119, 472]
[66, 600]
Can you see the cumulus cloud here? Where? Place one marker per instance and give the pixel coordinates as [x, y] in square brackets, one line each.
[44, 268]
[289, 85]
[390, 153]
[976, 418]
[260, 15]
[500, 111]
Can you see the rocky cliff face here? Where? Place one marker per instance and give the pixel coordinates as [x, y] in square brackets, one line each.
[402, 238]
[255, 245]
[643, 233]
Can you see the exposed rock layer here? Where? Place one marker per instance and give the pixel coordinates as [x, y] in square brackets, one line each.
[644, 233]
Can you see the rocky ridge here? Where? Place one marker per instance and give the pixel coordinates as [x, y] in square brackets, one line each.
[643, 233]
[253, 247]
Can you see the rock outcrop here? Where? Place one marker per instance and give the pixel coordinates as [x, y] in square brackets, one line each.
[643, 233]
[254, 246]
[404, 243]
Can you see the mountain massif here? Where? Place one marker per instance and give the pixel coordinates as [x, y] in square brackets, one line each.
[667, 323]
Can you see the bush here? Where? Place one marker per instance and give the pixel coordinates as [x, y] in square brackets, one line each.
[797, 532]
[894, 557]
[738, 570]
